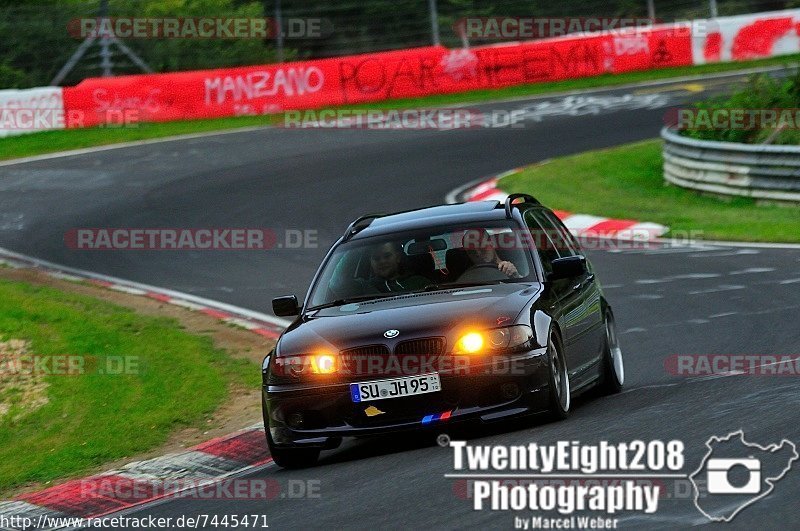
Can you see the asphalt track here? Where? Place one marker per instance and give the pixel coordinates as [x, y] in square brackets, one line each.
[703, 300]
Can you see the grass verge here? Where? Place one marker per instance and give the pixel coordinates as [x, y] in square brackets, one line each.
[134, 380]
[53, 141]
[627, 182]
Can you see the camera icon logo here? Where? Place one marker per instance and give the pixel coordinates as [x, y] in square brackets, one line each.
[736, 473]
[719, 472]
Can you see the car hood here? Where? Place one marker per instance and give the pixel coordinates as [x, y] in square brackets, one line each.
[436, 314]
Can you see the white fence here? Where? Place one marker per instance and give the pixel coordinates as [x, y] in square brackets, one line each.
[727, 168]
[31, 110]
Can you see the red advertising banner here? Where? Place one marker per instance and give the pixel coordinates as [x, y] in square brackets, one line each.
[266, 89]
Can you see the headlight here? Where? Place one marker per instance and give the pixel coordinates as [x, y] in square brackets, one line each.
[507, 338]
[293, 368]
[323, 364]
[470, 343]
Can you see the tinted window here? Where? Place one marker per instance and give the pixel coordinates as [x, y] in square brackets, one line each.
[544, 245]
[559, 239]
[574, 245]
[412, 261]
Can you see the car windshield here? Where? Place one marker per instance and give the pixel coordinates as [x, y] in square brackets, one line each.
[426, 259]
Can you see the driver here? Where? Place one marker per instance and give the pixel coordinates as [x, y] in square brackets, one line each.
[388, 272]
[482, 252]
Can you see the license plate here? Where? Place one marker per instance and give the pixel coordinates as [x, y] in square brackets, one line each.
[395, 387]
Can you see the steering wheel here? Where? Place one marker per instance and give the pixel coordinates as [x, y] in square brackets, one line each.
[482, 273]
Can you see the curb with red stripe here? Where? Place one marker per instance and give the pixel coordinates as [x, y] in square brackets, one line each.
[582, 225]
[197, 470]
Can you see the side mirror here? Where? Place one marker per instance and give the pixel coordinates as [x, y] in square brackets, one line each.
[568, 267]
[285, 306]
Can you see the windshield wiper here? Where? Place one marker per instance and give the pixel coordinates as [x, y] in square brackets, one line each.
[351, 300]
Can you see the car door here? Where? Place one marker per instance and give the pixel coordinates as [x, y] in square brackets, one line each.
[592, 330]
[566, 301]
[578, 304]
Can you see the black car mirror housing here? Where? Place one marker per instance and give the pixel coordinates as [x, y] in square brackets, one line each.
[568, 267]
[285, 306]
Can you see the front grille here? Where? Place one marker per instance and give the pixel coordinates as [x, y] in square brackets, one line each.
[369, 350]
[429, 346]
[356, 360]
[429, 350]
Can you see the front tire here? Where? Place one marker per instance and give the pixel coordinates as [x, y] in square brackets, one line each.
[612, 376]
[560, 391]
[291, 458]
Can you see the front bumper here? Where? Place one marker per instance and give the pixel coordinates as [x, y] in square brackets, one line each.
[320, 415]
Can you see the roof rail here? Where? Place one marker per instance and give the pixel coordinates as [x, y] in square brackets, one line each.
[511, 198]
[359, 224]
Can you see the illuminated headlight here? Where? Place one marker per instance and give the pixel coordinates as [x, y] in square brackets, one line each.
[507, 338]
[306, 365]
[471, 343]
[323, 364]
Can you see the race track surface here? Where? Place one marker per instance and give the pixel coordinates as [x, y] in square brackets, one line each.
[671, 301]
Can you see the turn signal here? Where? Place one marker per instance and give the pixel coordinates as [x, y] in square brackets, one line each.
[323, 364]
[470, 343]
[502, 339]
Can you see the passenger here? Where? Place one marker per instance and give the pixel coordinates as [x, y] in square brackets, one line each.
[482, 252]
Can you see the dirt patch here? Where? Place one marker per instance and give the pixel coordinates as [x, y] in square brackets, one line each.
[240, 410]
[21, 391]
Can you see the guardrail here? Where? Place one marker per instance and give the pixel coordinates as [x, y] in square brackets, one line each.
[732, 169]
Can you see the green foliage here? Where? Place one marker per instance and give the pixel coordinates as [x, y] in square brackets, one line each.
[35, 42]
[11, 77]
[761, 92]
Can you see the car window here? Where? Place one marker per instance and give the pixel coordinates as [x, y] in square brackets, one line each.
[415, 260]
[557, 237]
[544, 245]
[565, 232]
